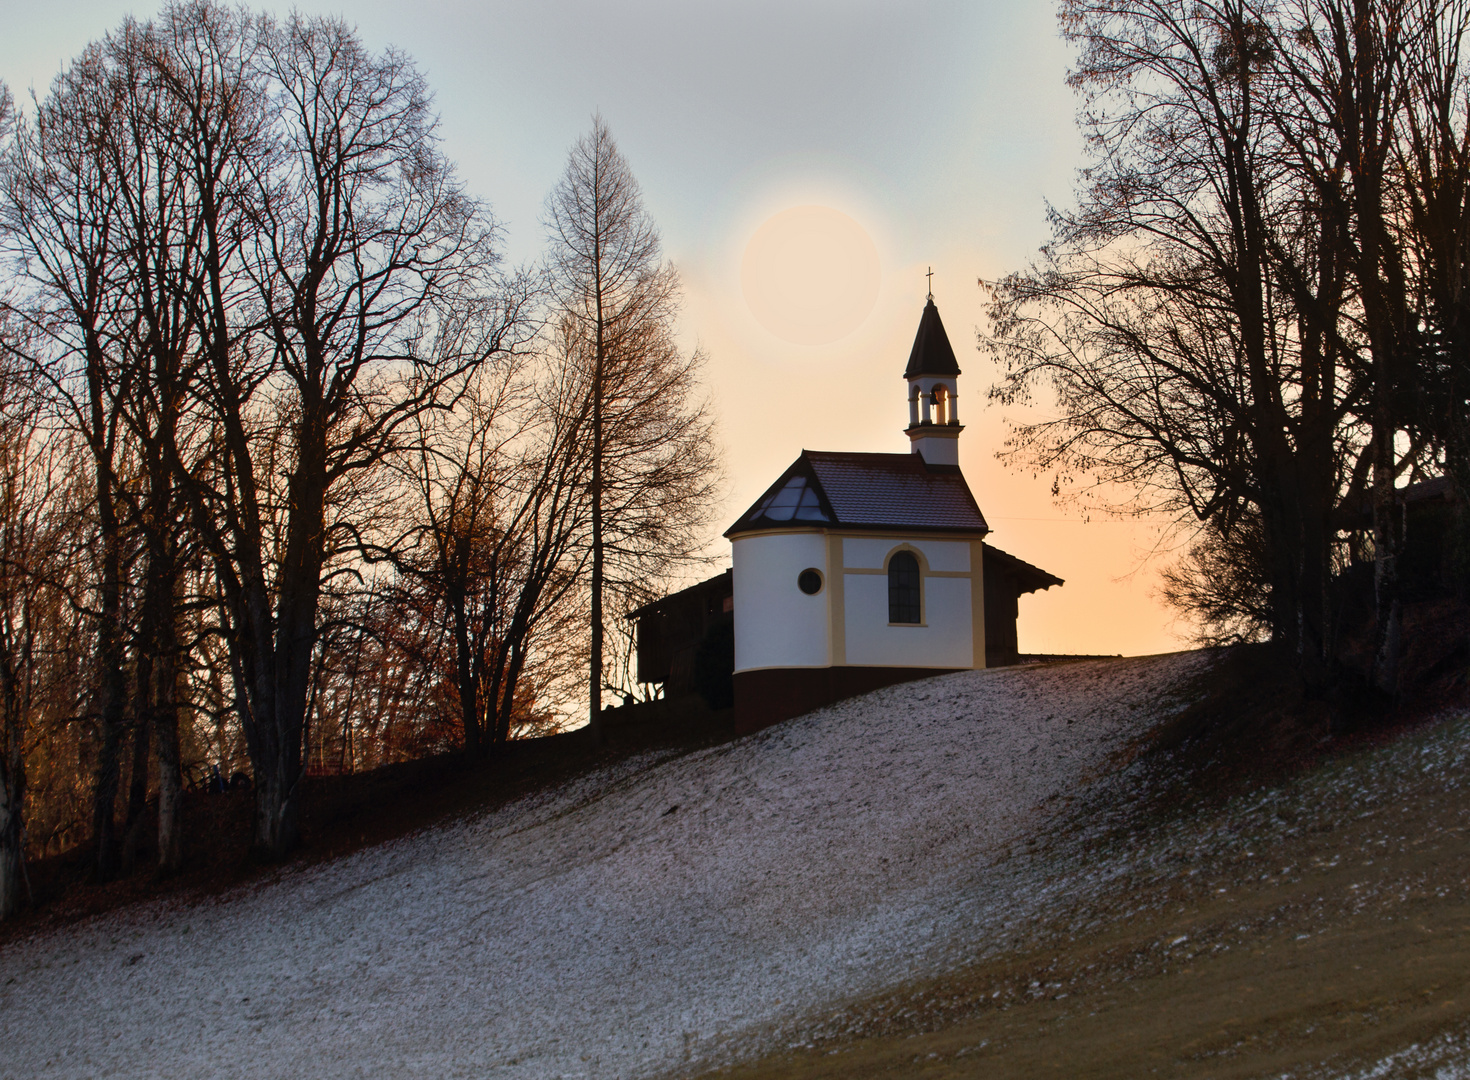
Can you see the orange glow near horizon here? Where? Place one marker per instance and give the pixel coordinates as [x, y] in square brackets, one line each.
[775, 397]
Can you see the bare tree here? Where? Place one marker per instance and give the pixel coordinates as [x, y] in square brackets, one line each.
[654, 469]
[58, 221]
[12, 729]
[1433, 159]
[1344, 75]
[109, 195]
[359, 233]
[167, 86]
[1186, 315]
[243, 257]
[1255, 314]
[1375, 125]
[497, 554]
[33, 471]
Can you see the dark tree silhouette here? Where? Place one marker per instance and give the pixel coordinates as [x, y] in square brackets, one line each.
[654, 469]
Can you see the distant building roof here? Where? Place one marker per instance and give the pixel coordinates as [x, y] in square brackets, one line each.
[866, 491]
[1358, 513]
[931, 354]
[671, 629]
[716, 587]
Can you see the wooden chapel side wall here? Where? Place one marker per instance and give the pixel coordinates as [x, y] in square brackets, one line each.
[1001, 610]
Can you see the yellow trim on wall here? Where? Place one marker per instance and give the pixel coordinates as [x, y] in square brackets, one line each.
[927, 573]
[836, 571]
[977, 602]
[956, 536]
[836, 602]
[917, 553]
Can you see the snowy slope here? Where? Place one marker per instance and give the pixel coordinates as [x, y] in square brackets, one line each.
[597, 931]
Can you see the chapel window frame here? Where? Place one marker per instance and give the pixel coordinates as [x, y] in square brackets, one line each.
[908, 560]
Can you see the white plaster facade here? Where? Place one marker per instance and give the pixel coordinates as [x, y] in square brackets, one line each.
[846, 624]
[777, 624]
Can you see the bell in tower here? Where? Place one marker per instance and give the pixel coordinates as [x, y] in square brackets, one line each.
[933, 374]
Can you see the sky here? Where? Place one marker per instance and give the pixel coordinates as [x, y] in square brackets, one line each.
[807, 163]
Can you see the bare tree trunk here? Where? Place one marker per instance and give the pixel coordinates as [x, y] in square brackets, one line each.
[345, 760]
[12, 853]
[467, 672]
[138, 773]
[12, 791]
[277, 809]
[112, 691]
[165, 713]
[277, 828]
[1370, 40]
[594, 688]
[1387, 543]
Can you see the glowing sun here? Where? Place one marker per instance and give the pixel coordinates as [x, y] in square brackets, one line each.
[810, 275]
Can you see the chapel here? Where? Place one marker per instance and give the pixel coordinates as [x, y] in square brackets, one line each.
[857, 571]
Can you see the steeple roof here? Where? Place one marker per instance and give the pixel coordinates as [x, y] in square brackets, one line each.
[931, 354]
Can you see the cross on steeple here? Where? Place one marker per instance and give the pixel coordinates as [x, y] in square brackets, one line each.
[930, 276]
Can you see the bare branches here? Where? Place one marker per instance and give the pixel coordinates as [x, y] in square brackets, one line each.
[1234, 321]
[362, 246]
[1177, 317]
[256, 270]
[37, 642]
[346, 478]
[495, 551]
[653, 467]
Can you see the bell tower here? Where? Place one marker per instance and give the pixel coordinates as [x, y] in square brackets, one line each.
[933, 380]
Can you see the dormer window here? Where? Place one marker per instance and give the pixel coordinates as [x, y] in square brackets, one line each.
[795, 500]
[903, 588]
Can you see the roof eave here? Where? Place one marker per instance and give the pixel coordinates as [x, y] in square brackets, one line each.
[848, 526]
[1043, 579]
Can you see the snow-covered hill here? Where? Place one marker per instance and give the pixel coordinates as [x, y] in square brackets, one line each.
[672, 910]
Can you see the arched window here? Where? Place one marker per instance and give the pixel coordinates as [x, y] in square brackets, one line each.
[903, 588]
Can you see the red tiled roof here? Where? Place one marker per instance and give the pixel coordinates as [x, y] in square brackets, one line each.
[870, 491]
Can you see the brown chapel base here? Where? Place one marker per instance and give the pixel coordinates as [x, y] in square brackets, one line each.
[767, 696]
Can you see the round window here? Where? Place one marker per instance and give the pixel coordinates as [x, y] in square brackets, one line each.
[809, 581]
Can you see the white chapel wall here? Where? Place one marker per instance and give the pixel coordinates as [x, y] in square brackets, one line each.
[871, 553]
[776, 624]
[942, 641]
[944, 638]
